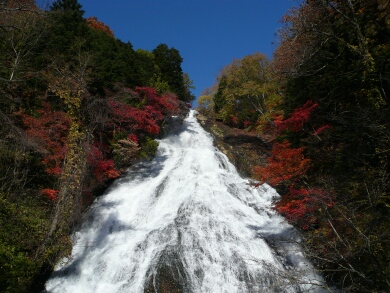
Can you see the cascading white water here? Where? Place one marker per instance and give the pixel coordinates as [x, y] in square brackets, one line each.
[187, 212]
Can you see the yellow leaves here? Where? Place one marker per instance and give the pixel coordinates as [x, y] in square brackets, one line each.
[251, 88]
[70, 91]
[71, 99]
[205, 101]
[252, 74]
[70, 86]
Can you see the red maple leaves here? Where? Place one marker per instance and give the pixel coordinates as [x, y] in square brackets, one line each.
[148, 116]
[321, 129]
[302, 206]
[132, 119]
[297, 119]
[287, 166]
[285, 163]
[51, 194]
[102, 168]
[49, 128]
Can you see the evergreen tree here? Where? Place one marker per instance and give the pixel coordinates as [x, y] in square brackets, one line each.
[144, 67]
[68, 28]
[219, 100]
[168, 61]
[71, 7]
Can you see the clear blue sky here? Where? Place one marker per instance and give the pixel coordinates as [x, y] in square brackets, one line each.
[207, 33]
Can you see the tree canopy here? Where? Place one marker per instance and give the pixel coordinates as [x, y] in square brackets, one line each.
[247, 92]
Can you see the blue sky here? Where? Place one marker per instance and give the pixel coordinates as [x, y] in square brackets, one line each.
[207, 33]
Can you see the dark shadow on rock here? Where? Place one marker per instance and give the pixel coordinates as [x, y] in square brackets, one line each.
[242, 138]
[168, 276]
[279, 243]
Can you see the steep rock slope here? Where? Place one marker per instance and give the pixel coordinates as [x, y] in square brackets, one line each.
[244, 149]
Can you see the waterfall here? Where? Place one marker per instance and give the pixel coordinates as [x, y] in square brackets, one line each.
[185, 218]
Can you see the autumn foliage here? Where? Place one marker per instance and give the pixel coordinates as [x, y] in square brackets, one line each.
[129, 118]
[284, 164]
[105, 170]
[166, 104]
[337, 52]
[147, 117]
[49, 128]
[297, 119]
[49, 193]
[94, 23]
[301, 206]
[321, 129]
[102, 168]
[128, 125]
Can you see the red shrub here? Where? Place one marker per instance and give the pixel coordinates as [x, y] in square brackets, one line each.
[133, 137]
[297, 119]
[50, 129]
[302, 206]
[132, 119]
[104, 170]
[247, 123]
[167, 104]
[50, 193]
[284, 164]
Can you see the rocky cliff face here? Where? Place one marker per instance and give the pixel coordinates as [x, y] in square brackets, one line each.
[244, 149]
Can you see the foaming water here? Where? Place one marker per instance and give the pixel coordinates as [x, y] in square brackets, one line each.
[187, 212]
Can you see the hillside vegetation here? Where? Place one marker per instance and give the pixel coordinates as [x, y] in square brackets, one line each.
[322, 104]
[77, 107]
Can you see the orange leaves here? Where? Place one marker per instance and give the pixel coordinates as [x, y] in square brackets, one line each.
[49, 193]
[247, 123]
[284, 164]
[301, 207]
[234, 120]
[94, 23]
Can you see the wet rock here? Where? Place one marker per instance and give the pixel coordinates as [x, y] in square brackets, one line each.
[168, 276]
[244, 149]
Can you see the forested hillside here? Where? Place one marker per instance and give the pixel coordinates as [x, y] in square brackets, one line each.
[77, 107]
[322, 103]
